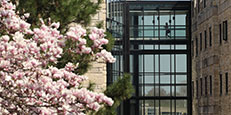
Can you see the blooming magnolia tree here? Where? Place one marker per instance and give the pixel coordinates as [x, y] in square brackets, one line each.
[30, 83]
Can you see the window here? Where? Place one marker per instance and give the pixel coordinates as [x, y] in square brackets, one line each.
[204, 3]
[206, 91]
[197, 88]
[201, 86]
[205, 32]
[192, 48]
[225, 30]
[220, 31]
[210, 36]
[192, 88]
[220, 84]
[226, 83]
[200, 41]
[196, 46]
[211, 83]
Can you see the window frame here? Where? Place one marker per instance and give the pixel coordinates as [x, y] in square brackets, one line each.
[210, 36]
[206, 88]
[201, 41]
[226, 83]
[201, 80]
[221, 84]
[211, 85]
[225, 30]
[205, 3]
[205, 38]
[220, 33]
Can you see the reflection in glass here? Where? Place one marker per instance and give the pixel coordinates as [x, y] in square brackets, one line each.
[181, 90]
[181, 107]
[165, 107]
[165, 91]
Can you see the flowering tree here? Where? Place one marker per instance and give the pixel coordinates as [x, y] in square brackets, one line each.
[30, 82]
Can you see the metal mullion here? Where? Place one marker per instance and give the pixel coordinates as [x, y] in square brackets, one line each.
[143, 60]
[160, 98]
[174, 60]
[170, 68]
[154, 61]
[181, 84]
[189, 66]
[178, 42]
[136, 76]
[126, 50]
[159, 54]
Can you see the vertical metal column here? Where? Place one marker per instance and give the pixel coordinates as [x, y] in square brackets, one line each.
[126, 50]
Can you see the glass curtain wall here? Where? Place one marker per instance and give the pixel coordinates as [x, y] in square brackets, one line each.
[155, 50]
[115, 27]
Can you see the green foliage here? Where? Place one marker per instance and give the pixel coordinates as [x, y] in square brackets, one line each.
[91, 86]
[119, 91]
[111, 42]
[63, 11]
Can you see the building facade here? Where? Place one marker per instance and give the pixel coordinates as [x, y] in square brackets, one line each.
[153, 44]
[211, 58]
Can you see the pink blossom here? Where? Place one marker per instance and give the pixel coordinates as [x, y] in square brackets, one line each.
[27, 75]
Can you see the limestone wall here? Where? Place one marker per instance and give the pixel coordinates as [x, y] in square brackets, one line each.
[214, 60]
[97, 71]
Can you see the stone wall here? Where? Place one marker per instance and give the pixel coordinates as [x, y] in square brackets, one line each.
[97, 71]
[212, 61]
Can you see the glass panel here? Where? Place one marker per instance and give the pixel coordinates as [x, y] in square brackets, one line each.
[164, 90]
[180, 19]
[165, 107]
[149, 79]
[149, 90]
[180, 32]
[181, 63]
[181, 107]
[181, 47]
[149, 107]
[157, 79]
[156, 63]
[181, 90]
[132, 107]
[165, 63]
[164, 47]
[131, 63]
[181, 79]
[141, 107]
[141, 63]
[146, 47]
[173, 107]
[149, 63]
[173, 63]
[165, 79]
[164, 18]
